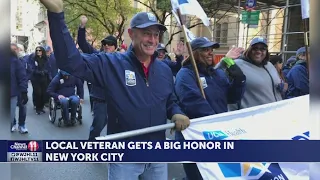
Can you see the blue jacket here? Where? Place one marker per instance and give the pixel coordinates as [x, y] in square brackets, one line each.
[219, 91]
[298, 80]
[65, 87]
[136, 101]
[19, 80]
[96, 92]
[174, 66]
[35, 71]
[53, 64]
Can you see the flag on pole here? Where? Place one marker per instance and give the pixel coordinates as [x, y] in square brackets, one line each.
[305, 8]
[190, 35]
[190, 7]
[177, 17]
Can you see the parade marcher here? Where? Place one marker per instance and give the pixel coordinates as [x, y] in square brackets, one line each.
[62, 89]
[277, 63]
[289, 64]
[262, 79]
[40, 77]
[52, 61]
[97, 94]
[138, 88]
[19, 88]
[298, 76]
[19, 49]
[220, 89]
[174, 65]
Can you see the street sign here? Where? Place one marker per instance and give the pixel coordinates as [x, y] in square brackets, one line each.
[250, 17]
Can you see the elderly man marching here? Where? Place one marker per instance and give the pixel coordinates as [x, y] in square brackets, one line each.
[139, 89]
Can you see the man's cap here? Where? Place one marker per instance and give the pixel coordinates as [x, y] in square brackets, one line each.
[258, 40]
[291, 59]
[144, 20]
[110, 40]
[301, 51]
[203, 42]
[64, 73]
[161, 47]
[47, 48]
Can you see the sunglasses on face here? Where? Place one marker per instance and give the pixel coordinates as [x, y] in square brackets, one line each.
[107, 44]
[259, 48]
[38, 50]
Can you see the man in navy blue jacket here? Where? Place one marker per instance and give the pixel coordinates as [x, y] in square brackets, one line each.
[139, 88]
[22, 107]
[62, 89]
[19, 87]
[298, 76]
[97, 94]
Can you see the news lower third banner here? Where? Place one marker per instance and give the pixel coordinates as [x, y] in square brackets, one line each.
[284, 120]
[160, 151]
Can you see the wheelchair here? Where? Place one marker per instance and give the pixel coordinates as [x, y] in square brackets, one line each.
[55, 105]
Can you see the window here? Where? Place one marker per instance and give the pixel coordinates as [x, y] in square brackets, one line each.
[222, 32]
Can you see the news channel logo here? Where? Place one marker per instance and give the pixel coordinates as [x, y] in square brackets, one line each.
[24, 151]
[220, 135]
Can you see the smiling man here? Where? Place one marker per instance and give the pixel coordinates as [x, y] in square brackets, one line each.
[139, 89]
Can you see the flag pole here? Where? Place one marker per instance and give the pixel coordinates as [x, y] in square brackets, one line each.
[306, 42]
[191, 54]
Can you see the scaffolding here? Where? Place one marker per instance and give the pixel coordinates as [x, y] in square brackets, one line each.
[280, 22]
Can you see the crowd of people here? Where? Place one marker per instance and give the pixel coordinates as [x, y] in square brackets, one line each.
[142, 86]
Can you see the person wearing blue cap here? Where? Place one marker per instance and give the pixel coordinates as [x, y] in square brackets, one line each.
[139, 89]
[174, 65]
[298, 76]
[40, 77]
[220, 88]
[263, 80]
[97, 94]
[288, 65]
[62, 89]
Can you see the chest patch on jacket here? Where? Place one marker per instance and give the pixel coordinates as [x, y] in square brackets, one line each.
[204, 82]
[130, 78]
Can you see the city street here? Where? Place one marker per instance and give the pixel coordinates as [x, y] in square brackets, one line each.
[40, 128]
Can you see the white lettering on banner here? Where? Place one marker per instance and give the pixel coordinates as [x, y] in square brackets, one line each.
[260, 122]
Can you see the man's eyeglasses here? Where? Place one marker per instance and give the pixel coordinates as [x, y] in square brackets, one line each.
[259, 48]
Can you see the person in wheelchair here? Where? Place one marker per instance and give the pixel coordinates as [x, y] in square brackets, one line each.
[62, 89]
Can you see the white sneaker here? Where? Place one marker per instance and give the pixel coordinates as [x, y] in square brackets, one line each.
[13, 128]
[23, 129]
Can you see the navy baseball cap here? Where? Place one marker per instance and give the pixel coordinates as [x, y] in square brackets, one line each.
[203, 42]
[111, 40]
[258, 40]
[161, 47]
[47, 48]
[144, 20]
[301, 51]
[64, 73]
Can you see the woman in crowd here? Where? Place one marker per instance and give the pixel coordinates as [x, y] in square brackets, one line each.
[219, 88]
[277, 63]
[262, 77]
[40, 77]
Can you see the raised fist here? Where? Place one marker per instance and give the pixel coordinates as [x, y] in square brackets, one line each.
[83, 21]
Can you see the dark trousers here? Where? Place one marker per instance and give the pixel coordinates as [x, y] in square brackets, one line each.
[39, 94]
[100, 119]
[191, 169]
[22, 113]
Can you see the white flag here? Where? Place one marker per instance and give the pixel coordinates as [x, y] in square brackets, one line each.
[305, 8]
[190, 35]
[256, 123]
[190, 7]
